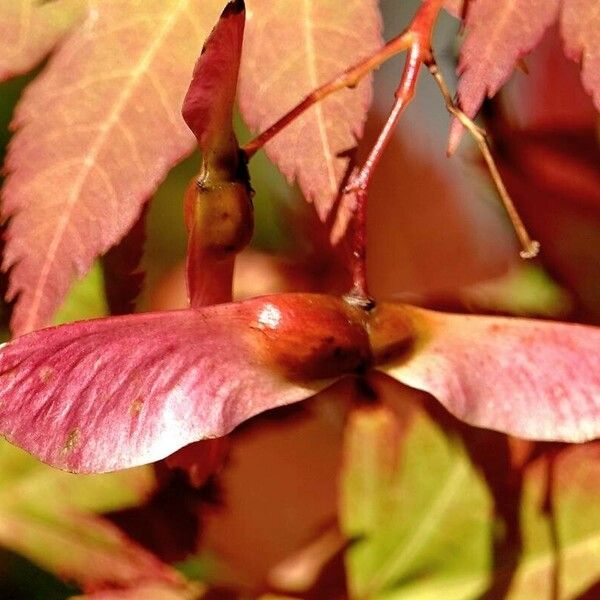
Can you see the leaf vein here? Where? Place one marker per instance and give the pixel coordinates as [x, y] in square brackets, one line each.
[318, 109]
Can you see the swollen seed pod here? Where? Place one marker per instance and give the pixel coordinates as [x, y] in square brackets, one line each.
[219, 218]
[336, 342]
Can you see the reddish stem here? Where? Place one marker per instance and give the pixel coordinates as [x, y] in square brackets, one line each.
[210, 281]
[404, 94]
[360, 290]
[419, 53]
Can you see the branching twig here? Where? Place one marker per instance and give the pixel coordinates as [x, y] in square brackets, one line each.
[419, 53]
[530, 246]
[417, 40]
[404, 94]
[359, 180]
[348, 79]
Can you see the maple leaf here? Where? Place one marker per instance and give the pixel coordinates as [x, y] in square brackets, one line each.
[498, 34]
[406, 525]
[580, 27]
[560, 493]
[110, 131]
[29, 29]
[24, 478]
[429, 536]
[307, 42]
[54, 198]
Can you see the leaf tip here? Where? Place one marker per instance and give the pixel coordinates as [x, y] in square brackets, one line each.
[234, 7]
[208, 104]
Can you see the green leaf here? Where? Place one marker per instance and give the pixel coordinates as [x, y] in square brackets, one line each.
[525, 290]
[26, 481]
[86, 300]
[370, 469]
[563, 541]
[421, 517]
[47, 516]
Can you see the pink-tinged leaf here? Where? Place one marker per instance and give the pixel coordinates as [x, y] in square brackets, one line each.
[560, 526]
[29, 29]
[148, 591]
[580, 25]
[208, 104]
[80, 547]
[532, 379]
[291, 48]
[96, 133]
[45, 515]
[498, 34]
[111, 393]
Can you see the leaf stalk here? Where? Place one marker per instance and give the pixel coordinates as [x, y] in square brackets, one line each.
[530, 247]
